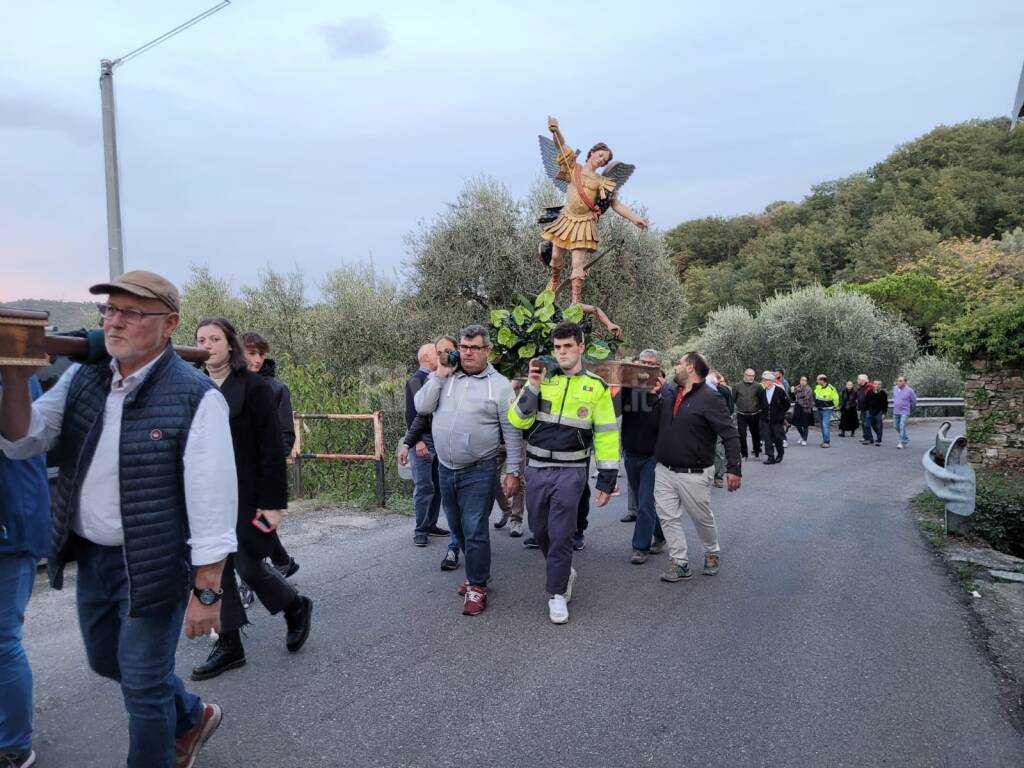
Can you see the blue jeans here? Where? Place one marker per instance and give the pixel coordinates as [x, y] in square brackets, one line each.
[899, 423]
[873, 421]
[426, 498]
[17, 573]
[137, 652]
[468, 495]
[825, 420]
[640, 473]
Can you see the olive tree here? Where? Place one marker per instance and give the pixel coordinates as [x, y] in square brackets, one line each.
[811, 331]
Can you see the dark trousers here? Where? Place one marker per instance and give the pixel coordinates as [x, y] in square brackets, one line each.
[468, 496]
[865, 425]
[138, 653]
[426, 494]
[270, 587]
[753, 422]
[873, 422]
[553, 503]
[583, 510]
[640, 473]
[280, 555]
[774, 439]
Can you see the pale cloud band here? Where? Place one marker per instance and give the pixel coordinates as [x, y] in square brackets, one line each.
[357, 38]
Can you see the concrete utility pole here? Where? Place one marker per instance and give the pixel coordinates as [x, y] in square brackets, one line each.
[115, 239]
[115, 245]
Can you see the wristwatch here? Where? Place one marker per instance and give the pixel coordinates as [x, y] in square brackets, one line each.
[207, 596]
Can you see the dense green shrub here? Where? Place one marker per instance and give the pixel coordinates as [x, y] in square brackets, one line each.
[918, 299]
[932, 376]
[999, 512]
[992, 332]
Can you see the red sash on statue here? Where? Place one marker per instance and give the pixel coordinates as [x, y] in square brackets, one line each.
[577, 180]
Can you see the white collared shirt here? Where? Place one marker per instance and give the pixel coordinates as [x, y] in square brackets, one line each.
[211, 488]
[769, 392]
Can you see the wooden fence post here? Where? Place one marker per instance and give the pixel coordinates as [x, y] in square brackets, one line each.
[378, 449]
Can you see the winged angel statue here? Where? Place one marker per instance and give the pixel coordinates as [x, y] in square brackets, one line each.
[572, 227]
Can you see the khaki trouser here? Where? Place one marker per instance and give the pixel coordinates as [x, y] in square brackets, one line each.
[675, 492]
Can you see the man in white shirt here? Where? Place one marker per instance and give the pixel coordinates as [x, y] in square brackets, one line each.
[146, 499]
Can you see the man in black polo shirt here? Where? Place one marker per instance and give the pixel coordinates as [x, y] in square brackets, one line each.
[688, 423]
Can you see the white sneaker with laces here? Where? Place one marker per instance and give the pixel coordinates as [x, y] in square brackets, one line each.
[558, 611]
[571, 584]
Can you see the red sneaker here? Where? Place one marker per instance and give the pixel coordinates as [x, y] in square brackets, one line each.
[186, 748]
[476, 601]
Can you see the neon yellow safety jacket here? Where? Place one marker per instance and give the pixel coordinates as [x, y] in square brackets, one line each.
[570, 419]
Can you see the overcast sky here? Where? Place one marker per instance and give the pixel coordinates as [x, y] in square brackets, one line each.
[313, 134]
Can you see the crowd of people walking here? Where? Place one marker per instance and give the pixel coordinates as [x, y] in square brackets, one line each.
[171, 475]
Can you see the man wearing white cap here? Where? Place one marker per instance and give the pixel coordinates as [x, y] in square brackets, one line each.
[774, 405]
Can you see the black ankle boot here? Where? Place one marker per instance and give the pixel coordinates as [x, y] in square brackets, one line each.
[227, 653]
[299, 618]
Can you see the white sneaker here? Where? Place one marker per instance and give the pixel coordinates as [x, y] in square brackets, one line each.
[558, 611]
[803, 442]
[899, 446]
[516, 529]
[572, 583]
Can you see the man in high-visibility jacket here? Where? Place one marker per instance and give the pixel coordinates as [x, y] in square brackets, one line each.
[568, 416]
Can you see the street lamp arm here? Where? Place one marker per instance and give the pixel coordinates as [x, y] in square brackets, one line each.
[167, 35]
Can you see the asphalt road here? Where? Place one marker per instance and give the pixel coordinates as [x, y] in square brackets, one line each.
[831, 637]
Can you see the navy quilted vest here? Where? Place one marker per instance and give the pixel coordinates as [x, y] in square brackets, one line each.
[154, 429]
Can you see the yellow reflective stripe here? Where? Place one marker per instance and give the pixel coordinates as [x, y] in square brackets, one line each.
[606, 427]
[517, 420]
[607, 464]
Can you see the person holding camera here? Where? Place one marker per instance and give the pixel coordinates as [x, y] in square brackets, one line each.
[467, 400]
[569, 416]
[262, 499]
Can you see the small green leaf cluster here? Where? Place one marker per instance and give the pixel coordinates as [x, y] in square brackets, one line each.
[523, 333]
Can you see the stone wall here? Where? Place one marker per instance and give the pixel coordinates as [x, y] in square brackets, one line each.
[995, 416]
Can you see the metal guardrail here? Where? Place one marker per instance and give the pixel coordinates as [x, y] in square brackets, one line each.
[297, 457]
[951, 478]
[924, 403]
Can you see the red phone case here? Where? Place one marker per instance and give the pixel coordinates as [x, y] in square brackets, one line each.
[260, 523]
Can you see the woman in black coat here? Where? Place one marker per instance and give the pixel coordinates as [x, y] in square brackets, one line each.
[262, 499]
[803, 408]
[848, 421]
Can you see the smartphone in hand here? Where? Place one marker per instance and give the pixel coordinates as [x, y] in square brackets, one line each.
[261, 524]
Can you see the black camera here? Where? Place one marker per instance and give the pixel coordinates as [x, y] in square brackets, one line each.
[451, 359]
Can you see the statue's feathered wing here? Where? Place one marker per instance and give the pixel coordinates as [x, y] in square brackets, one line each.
[618, 172]
[549, 156]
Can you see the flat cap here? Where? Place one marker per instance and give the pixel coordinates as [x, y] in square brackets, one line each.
[148, 285]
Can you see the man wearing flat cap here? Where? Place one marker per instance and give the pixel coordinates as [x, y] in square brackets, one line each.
[145, 499]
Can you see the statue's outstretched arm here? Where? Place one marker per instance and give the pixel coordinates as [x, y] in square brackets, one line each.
[626, 212]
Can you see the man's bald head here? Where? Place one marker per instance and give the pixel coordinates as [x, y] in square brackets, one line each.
[427, 356]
